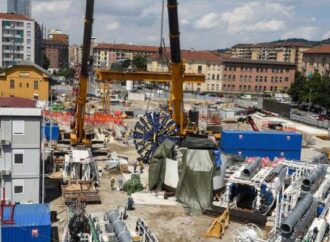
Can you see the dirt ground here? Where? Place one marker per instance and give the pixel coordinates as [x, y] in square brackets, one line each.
[168, 223]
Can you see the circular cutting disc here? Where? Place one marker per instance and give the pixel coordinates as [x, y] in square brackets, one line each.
[151, 130]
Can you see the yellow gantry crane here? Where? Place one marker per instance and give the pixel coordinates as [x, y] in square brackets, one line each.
[176, 77]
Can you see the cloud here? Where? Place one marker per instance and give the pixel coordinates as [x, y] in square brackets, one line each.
[204, 24]
[306, 32]
[208, 21]
[112, 26]
[257, 16]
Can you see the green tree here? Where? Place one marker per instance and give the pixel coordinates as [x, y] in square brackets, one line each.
[298, 87]
[45, 62]
[67, 73]
[140, 62]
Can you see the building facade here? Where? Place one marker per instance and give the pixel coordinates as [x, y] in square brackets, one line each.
[317, 59]
[201, 62]
[57, 53]
[106, 54]
[291, 52]
[75, 55]
[256, 76]
[17, 42]
[25, 80]
[20, 153]
[20, 7]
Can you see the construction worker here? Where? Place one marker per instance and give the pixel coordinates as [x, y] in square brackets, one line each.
[141, 165]
[135, 165]
[112, 183]
[130, 203]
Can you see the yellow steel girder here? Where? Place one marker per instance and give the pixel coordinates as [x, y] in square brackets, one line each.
[165, 77]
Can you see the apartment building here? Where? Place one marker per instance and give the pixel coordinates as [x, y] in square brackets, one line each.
[19, 6]
[17, 42]
[202, 62]
[317, 59]
[75, 55]
[25, 80]
[256, 76]
[282, 51]
[106, 54]
[20, 150]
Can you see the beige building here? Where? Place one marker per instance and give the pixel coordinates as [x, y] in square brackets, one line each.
[202, 62]
[106, 54]
[233, 75]
[317, 59]
[283, 51]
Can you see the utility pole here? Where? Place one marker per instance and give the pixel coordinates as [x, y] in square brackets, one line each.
[43, 158]
[309, 102]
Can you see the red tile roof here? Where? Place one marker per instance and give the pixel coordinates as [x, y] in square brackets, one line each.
[272, 45]
[249, 61]
[145, 48]
[14, 16]
[320, 49]
[17, 102]
[199, 55]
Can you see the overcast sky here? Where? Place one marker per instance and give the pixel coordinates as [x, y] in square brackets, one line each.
[204, 24]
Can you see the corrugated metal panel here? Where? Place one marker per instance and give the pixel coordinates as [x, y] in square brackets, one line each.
[271, 154]
[29, 215]
[32, 224]
[261, 140]
[20, 112]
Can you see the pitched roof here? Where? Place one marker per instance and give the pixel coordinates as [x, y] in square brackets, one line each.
[146, 48]
[17, 102]
[199, 55]
[28, 63]
[249, 61]
[273, 45]
[14, 16]
[320, 49]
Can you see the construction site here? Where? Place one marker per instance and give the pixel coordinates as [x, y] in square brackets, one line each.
[147, 162]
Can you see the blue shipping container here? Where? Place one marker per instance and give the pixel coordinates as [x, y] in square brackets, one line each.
[251, 140]
[32, 224]
[55, 131]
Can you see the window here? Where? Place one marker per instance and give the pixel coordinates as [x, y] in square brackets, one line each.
[18, 158]
[27, 85]
[265, 79]
[36, 85]
[18, 186]
[18, 127]
[217, 87]
[12, 84]
[200, 69]
[287, 79]
[213, 76]
[20, 84]
[218, 77]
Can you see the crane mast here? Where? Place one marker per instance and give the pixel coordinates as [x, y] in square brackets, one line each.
[176, 100]
[78, 135]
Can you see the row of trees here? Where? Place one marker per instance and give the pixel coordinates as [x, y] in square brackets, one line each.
[315, 89]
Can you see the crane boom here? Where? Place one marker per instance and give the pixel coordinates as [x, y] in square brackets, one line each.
[176, 100]
[78, 135]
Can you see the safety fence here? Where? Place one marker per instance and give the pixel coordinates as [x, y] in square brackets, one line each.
[96, 119]
[309, 120]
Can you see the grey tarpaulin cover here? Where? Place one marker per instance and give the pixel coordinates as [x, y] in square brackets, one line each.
[195, 188]
[198, 143]
[157, 164]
